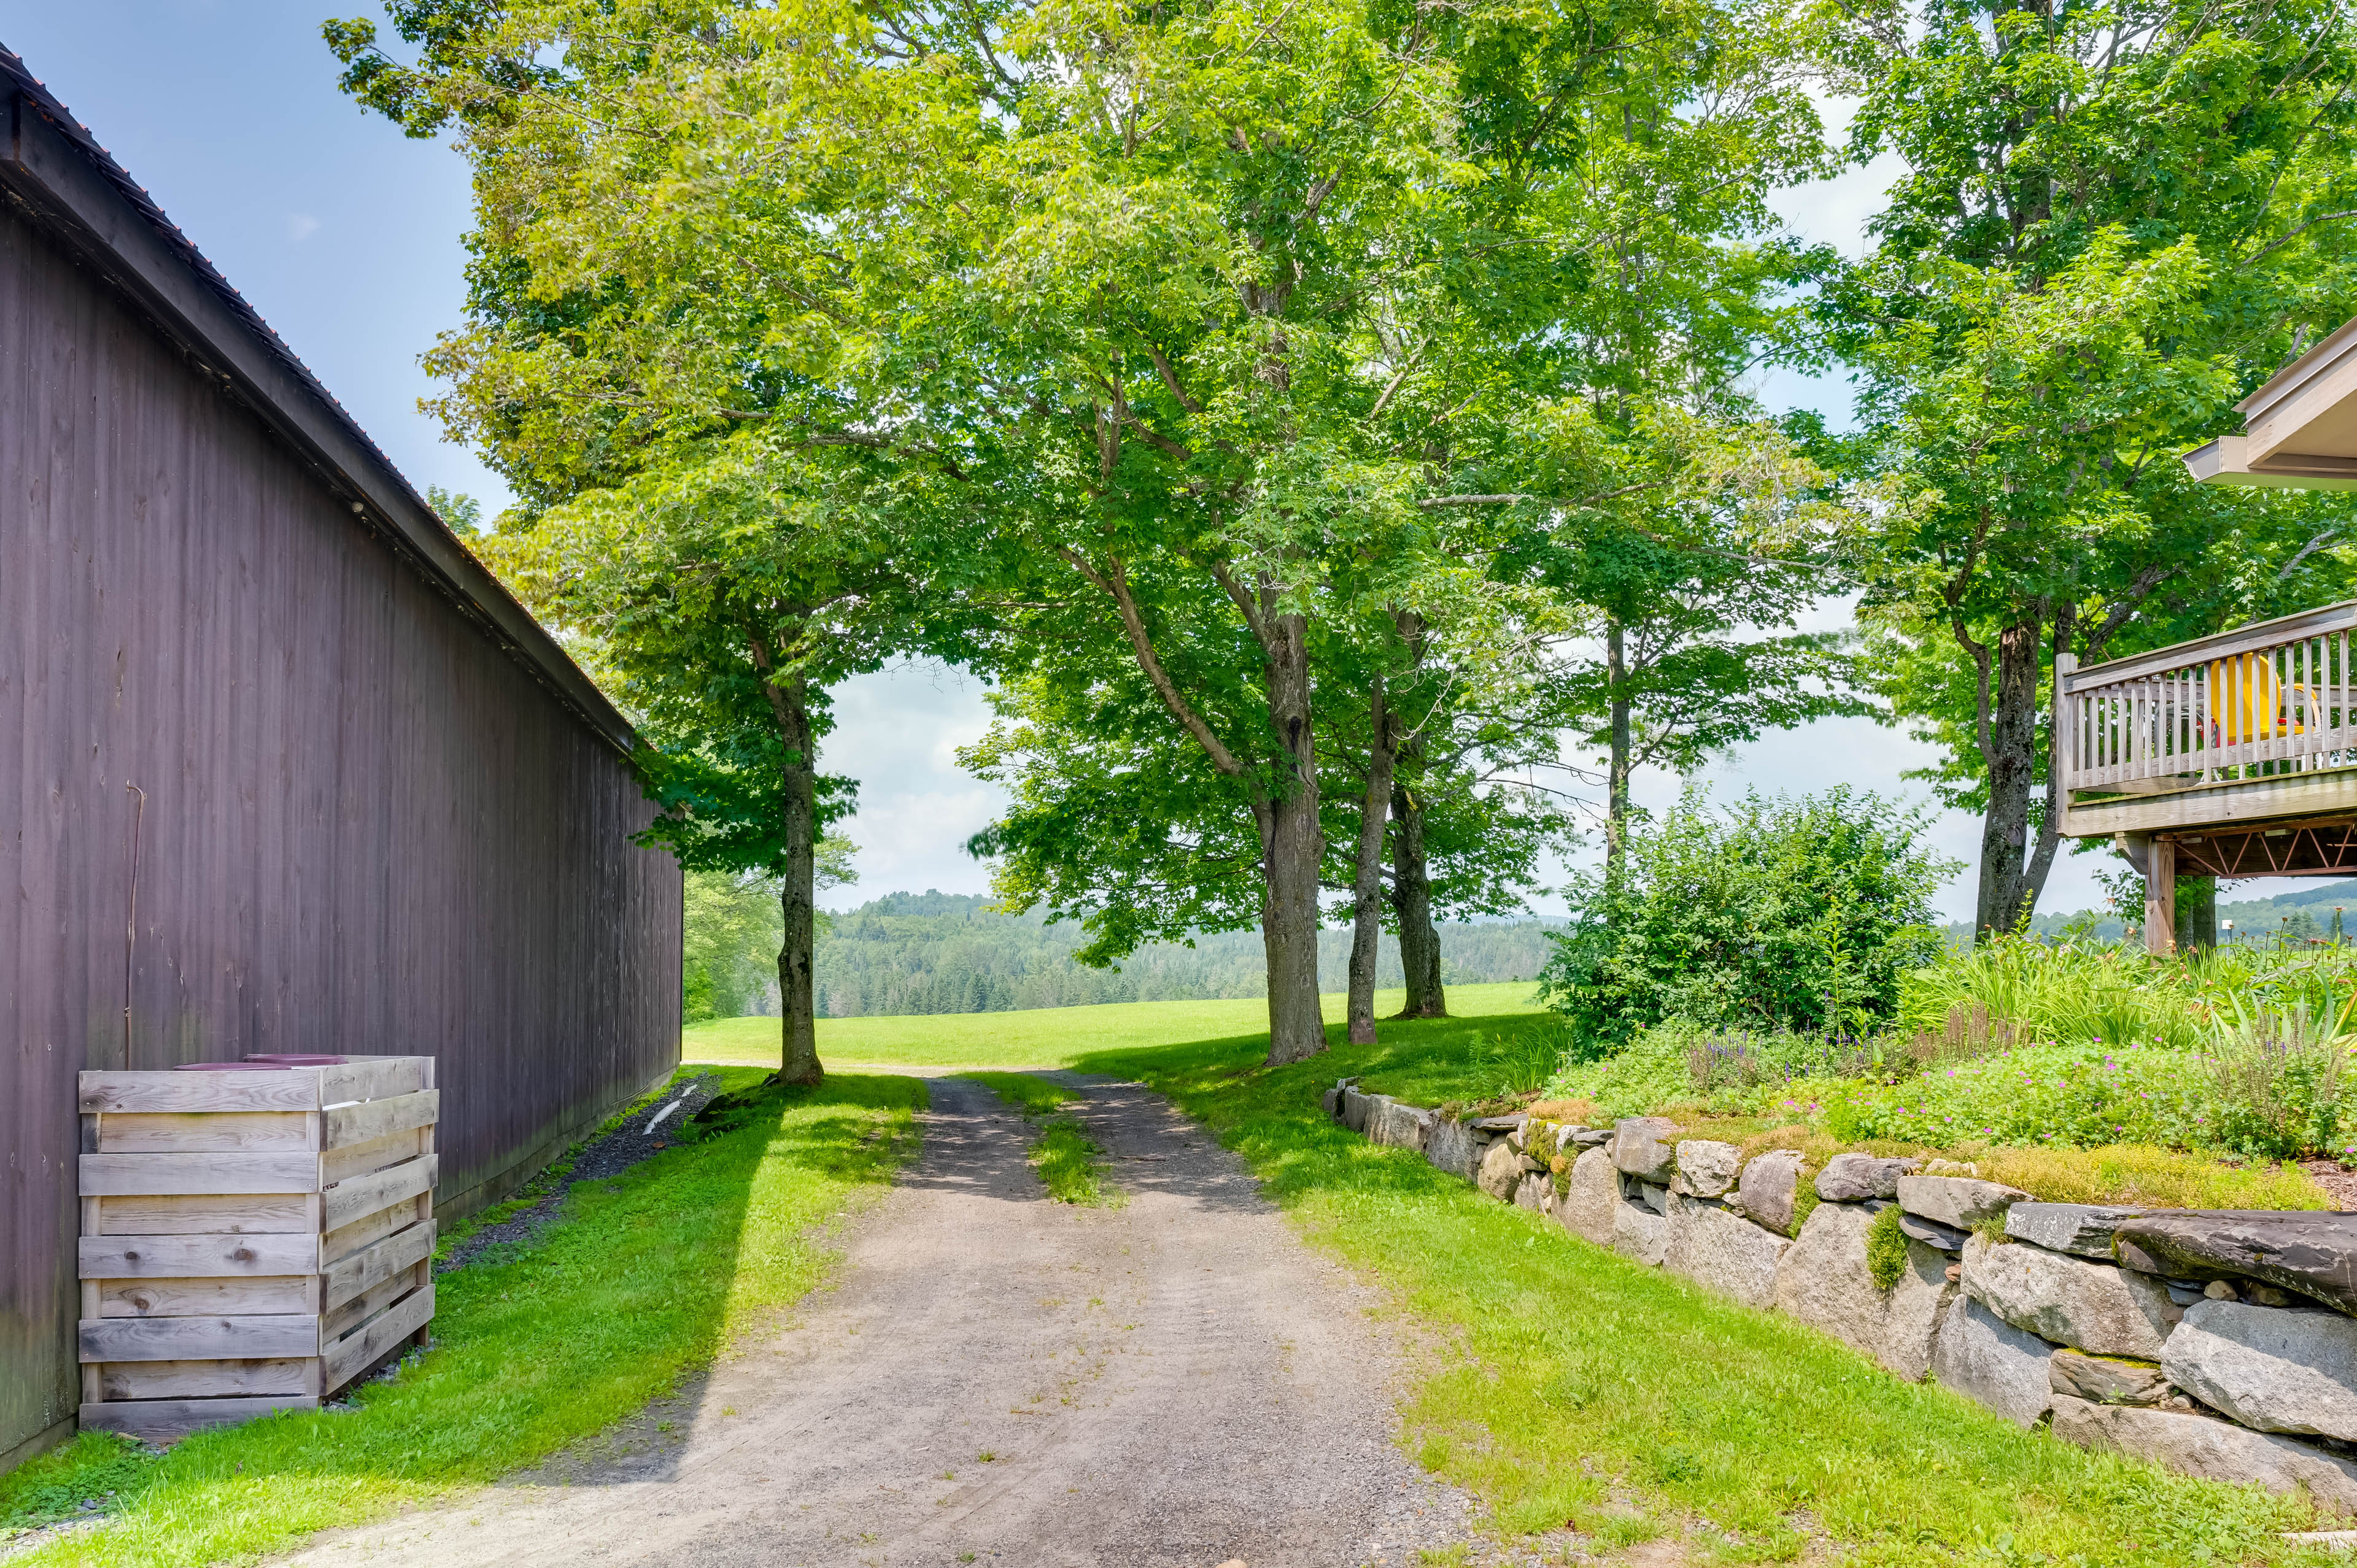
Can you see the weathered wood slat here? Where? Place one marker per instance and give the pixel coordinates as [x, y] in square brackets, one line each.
[349, 1200]
[204, 1379]
[226, 1131]
[346, 1124]
[244, 1214]
[379, 1079]
[292, 1089]
[120, 1175]
[344, 1241]
[352, 1355]
[198, 1338]
[235, 1297]
[342, 1319]
[359, 1159]
[144, 1257]
[161, 1421]
[349, 1277]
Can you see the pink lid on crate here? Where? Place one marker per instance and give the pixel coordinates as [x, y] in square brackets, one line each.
[294, 1058]
[230, 1067]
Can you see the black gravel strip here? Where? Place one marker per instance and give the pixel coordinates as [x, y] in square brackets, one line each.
[610, 1155]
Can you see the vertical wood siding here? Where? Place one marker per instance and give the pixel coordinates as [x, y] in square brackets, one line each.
[370, 827]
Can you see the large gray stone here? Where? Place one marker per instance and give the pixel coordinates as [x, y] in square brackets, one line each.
[1724, 1251]
[1706, 1168]
[1853, 1179]
[1824, 1281]
[1591, 1137]
[2088, 1306]
[1501, 1168]
[2084, 1229]
[1331, 1103]
[1638, 1233]
[1983, 1357]
[1354, 1109]
[2309, 1251]
[1534, 1193]
[2106, 1379]
[1641, 1147]
[1591, 1197]
[1454, 1147]
[1653, 1195]
[2214, 1450]
[2277, 1369]
[1961, 1201]
[1918, 1304]
[1397, 1125]
[1771, 1182]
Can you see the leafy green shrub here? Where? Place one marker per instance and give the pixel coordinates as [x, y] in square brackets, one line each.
[1768, 913]
[1651, 1071]
[1886, 1248]
[2074, 1094]
[2278, 1076]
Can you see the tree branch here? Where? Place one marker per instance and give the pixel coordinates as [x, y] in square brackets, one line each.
[1116, 585]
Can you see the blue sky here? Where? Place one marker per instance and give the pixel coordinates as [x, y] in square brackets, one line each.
[346, 236]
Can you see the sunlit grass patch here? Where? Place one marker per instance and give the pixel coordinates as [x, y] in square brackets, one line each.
[639, 1280]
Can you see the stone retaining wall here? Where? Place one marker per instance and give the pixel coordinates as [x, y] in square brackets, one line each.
[2221, 1343]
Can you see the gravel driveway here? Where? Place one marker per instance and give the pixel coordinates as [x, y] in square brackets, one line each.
[1178, 1382]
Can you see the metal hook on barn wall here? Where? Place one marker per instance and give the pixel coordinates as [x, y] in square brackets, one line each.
[130, 922]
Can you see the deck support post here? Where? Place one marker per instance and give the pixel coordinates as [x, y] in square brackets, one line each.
[2160, 897]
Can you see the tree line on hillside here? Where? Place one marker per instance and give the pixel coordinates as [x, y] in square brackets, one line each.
[939, 953]
[1331, 429]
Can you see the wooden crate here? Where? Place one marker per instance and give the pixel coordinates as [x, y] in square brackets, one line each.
[251, 1240]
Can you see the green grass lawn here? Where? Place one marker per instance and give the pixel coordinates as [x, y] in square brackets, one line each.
[1571, 1387]
[639, 1282]
[1042, 1037]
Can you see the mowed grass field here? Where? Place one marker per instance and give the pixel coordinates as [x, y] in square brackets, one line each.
[1046, 1036]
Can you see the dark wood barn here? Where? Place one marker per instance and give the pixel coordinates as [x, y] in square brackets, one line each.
[382, 811]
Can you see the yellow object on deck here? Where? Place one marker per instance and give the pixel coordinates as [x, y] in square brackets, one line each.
[2246, 700]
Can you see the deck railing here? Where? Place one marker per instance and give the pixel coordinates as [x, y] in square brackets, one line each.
[2262, 701]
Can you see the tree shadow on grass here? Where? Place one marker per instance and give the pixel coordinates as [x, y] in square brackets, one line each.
[637, 1285]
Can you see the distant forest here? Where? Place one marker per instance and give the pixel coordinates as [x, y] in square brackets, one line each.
[946, 952]
[2304, 913]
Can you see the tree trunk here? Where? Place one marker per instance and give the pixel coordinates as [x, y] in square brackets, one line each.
[2197, 913]
[1616, 787]
[798, 892]
[2010, 751]
[1367, 879]
[1412, 893]
[1293, 851]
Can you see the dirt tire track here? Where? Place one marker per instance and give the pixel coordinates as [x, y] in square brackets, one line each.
[1177, 1381]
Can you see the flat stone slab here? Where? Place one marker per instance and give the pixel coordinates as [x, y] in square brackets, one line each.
[1985, 1359]
[1354, 1109]
[2092, 1306]
[1454, 1147]
[2084, 1229]
[1961, 1201]
[2106, 1379]
[2212, 1449]
[1399, 1126]
[1770, 1185]
[1589, 1138]
[1500, 1126]
[1723, 1251]
[1932, 1233]
[1853, 1179]
[2275, 1368]
[2306, 1250]
[1642, 1147]
[1707, 1168]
